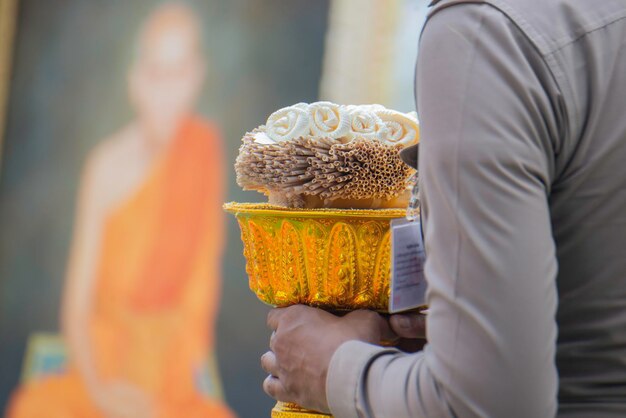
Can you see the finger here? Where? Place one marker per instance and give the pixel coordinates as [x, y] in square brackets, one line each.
[409, 325]
[273, 318]
[371, 320]
[269, 364]
[273, 341]
[387, 335]
[274, 388]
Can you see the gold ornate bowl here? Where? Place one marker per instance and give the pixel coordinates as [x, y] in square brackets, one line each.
[336, 259]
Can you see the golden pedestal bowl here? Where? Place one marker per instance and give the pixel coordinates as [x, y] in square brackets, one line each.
[335, 259]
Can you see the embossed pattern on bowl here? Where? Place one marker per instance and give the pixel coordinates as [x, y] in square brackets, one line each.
[336, 259]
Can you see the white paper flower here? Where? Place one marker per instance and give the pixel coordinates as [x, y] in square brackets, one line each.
[365, 124]
[401, 129]
[329, 120]
[288, 123]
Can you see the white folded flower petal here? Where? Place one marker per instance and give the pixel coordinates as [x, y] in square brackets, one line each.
[365, 124]
[288, 123]
[329, 120]
[262, 138]
[401, 129]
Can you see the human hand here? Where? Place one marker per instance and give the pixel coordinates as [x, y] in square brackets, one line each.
[411, 330]
[302, 345]
[120, 399]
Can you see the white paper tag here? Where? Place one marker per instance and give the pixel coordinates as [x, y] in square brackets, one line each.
[408, 285]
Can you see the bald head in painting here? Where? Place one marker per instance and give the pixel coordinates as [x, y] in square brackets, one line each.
[168, 69]
[144, 266]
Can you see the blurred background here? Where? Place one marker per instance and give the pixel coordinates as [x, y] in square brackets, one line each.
[120, 278]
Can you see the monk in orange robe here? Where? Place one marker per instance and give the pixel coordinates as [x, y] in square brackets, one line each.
[143, 280]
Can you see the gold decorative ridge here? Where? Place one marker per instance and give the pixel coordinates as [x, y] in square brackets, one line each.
[269, 209]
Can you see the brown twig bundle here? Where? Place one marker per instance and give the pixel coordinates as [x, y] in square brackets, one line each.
[293, 171]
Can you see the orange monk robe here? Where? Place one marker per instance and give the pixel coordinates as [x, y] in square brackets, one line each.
[157, 289]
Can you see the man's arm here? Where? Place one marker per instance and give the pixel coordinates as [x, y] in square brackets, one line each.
[486, 103]
[81, 271]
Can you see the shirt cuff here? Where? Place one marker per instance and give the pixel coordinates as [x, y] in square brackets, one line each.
[346, 374]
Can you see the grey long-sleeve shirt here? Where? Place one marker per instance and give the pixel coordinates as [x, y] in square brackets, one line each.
[523, 175]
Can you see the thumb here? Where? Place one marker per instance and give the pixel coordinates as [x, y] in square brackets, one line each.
[409, 325]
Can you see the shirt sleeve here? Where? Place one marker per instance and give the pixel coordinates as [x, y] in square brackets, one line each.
[488, 127]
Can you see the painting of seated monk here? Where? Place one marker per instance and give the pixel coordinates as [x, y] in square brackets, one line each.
[143, 279]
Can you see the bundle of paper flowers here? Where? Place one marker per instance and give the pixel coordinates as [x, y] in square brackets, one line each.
[328, 155]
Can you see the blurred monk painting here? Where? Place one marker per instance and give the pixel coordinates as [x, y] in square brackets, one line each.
[143, 279]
